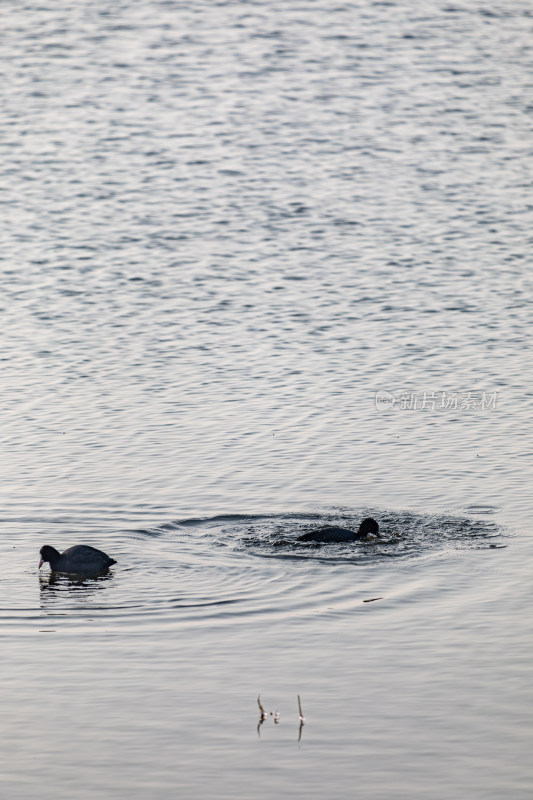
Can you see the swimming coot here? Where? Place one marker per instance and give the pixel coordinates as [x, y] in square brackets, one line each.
[368, 529]
[81, 559]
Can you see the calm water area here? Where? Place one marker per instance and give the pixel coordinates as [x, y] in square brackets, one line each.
[266, 266]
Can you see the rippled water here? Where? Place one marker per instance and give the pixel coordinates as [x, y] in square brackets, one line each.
[266, 267]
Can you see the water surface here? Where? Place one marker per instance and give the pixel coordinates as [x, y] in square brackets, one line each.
[266, 267]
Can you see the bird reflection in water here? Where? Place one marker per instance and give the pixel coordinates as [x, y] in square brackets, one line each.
[54, 585]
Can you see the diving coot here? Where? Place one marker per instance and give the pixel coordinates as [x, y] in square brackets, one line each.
[368, 529]
[82, 559]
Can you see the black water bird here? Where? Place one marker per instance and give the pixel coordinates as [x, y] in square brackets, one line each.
[368, 529]
[82, 559]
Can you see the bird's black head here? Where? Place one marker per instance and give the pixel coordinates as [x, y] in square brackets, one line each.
[369, 527]
[49, 554]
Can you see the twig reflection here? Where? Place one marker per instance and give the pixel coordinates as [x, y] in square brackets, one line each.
[302, 719]
[263, 715]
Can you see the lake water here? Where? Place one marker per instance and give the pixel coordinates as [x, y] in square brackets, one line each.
[266, 266]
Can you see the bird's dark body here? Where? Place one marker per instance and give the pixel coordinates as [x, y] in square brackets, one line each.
[81, 559]
[368, 528]
[331, 534]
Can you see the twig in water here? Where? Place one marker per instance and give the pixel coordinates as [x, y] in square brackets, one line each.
[302, 718]
[262, 713]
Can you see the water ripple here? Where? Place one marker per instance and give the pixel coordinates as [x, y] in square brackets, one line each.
[234, 567]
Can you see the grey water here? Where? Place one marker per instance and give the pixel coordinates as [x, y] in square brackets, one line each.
[266, 267]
